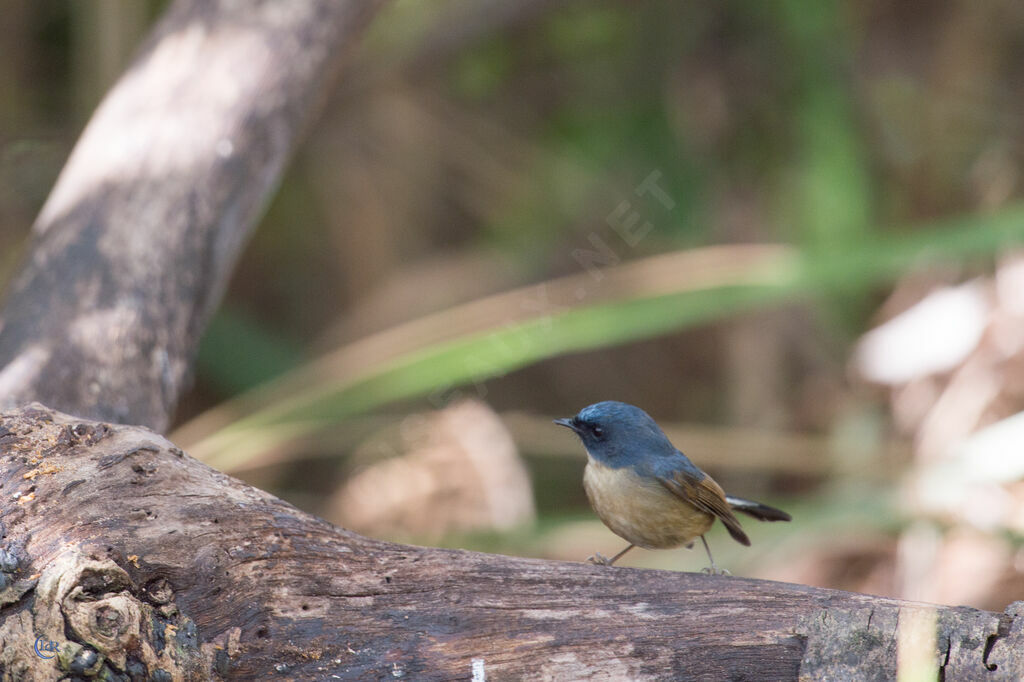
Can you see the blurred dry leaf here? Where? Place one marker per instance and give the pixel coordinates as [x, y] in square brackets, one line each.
[955, 362]
[933, 336]
[460, 471]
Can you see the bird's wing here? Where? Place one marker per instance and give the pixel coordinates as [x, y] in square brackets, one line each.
[700, 490]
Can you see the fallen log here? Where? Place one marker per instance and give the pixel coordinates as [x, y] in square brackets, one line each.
[123, 557]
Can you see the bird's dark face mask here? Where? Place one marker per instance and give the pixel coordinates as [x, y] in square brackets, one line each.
[589, 432]
[594, 435]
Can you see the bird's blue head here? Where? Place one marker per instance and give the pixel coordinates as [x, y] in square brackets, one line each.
[619, 435]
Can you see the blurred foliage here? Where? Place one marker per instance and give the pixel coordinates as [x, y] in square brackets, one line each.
[329, 389]
[473, 148]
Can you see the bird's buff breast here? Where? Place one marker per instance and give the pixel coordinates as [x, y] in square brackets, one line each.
[642, 511]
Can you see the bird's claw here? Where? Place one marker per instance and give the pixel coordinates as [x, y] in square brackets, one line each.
[598, 559]
[714, 570]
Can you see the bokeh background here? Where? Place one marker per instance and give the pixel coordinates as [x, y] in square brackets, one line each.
[790, 231]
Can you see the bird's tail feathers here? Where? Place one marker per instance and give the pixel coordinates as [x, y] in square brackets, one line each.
[733, 526]
[759, 511]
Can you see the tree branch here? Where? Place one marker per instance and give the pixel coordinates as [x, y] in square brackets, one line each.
[135, 244]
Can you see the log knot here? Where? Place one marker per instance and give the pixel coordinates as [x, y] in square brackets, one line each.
[103, 626]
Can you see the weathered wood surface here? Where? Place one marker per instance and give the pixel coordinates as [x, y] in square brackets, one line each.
[136, 242]
[129, 548]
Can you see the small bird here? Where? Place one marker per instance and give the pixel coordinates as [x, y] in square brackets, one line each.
[648, 492]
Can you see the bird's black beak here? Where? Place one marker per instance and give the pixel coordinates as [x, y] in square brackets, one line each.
[569, 422]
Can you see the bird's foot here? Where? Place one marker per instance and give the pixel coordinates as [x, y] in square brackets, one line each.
[714, 570]
[599, 559]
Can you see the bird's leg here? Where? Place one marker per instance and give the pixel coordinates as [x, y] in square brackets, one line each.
[619, 555]
[712, 569]
[601, 560]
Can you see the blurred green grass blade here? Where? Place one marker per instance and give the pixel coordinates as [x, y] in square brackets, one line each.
[322, 393]
[827, 195]
[831, 201]
[887, 256]
[483, 356]
[318, 394]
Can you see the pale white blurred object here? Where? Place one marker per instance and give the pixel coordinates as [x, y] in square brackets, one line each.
[959, 566]
[459, 471]
[1010, 285]
[933, 336]
[996, 453]
[955, 364]
[970, 485]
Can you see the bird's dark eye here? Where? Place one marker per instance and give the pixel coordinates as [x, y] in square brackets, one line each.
[597, 431]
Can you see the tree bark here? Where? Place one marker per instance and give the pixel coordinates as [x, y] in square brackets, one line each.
[132, 557]
[135, 244]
